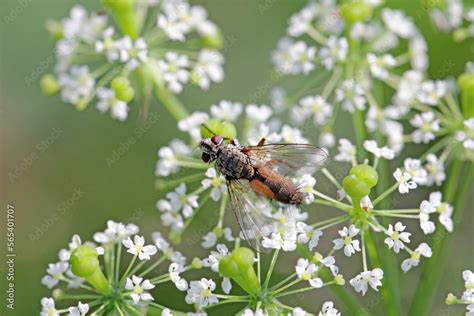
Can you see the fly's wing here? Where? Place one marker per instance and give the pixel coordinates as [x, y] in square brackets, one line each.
[288, 159]
[247, 207]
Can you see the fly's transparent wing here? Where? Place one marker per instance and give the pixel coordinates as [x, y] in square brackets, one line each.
[288, 159]
[248, 209]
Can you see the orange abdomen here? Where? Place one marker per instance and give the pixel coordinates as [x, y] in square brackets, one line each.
[272, 185]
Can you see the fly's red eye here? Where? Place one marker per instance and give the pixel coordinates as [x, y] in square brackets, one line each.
[216, 139]
[205, 157]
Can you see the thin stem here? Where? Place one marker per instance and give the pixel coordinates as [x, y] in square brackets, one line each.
[294, 282]
[340, 205]
[222, 209]
[117, 262]
[318, 37]
[398, 215]
[288, 278]
[364, 256]
[385, 194]
[270, 269]
[153, 266]
[331, 84]
[305, 289]
[340, 220]
[259, 268]
[127, 271]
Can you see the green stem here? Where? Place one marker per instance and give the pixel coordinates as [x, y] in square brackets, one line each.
[454, 192]
[170, 102]
[270, 269]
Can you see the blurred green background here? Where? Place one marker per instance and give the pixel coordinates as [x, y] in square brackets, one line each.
[80, 143]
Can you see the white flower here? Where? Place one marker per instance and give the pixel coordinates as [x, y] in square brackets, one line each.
[208, 68]
[48, 307]
[431, 92]
[169, 157]
[263, 131]
[398, 23]
[466, 136]
[361, 281]
[292, 135]
[175, 74]
[192, 124]
[327, 139]
[306, 271]
[419, 55]
[435, 205]
[82, 26]
[366, 203]
[435, 170]
[226, 110]
[306, 185]
[107, 100]
[200, 293]
[427, 125]
[169, 215]
[137, 247]
[404, 181]
[108, 45]
[212, 260]
[329, 310]
[115, 232]
[76, 85]
[385, 152]
[350, 245]
[139, 288]
[132, 53]
[80, 310]
[300, 22]
[397, 237]
[379, 65]
[216, 181]
[174, 270]
[422, 250]
[317, 107]
[257, 312]
[407, 90]
[257, 113]
[416, 170]
[278, 242]
[302, 57]
[351, 96]
[55, 273]
[298, 311]
[306, 234]
[335, 50]
[179, 200]
[346, 151]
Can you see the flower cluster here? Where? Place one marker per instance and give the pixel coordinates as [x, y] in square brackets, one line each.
[157, 47]
[351, 47]
[453, 16]
[468, 294]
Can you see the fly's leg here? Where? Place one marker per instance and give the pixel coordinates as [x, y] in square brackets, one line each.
[261, 142]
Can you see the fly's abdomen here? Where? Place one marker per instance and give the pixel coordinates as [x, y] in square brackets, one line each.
[275, 186]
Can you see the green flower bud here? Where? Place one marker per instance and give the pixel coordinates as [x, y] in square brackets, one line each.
[339, 279]
[218, 231]
[355, 11]
[49, 85]
[175, 236]
[366, 173]
[122, 88]
[85, 264]
[432, 4]
[228, 130]
[55, 28]
[228, 267]
[460, 35]
[244, 258]
[212, 126]
[124, 14]
[451, 299]
[196, 263]
[57, 294]
[214, 41]
[466, 85]
[82, 104]
[355, 187]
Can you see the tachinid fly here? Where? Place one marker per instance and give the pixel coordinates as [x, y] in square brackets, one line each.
[260, 174]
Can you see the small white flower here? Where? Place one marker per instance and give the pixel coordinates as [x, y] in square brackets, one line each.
[346, 151]
[115, 232]
[306, 185]
[292, 135]
[435, 205]
[174, 270]
[169, 157]
[419, 53]
[212, 260]
[422, 250]
[300, 22]
[466, 136]
[351, 96]
[317, 107]
[257, 113]
[366, 203]
[179, 200]
[361, 281]
[200, 293]
[76, 85]
[80, 310]
[108, 45]
[55, 273]
[350, 245]
[137, 247]
[379, 65]
[397, 237]
[385, 152]
[278, 242]
[398, 23]
[435, 169]
[48, 307]
[306, 271]
[132, 53]
[216, 181]
[335, 50]
[192, 124]
[328, 309]
[298, 311]
[139, 288]
[416, 170]
[107, 100]
[302, 57]
[208, 68]
[327, 139]
[175, 74]
[431, 92]
[226, 110]
[405, 184]
[257, 312]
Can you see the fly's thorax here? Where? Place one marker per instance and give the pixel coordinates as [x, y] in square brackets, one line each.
[232, 162]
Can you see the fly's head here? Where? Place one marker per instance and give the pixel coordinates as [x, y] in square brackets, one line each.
[210, 148]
